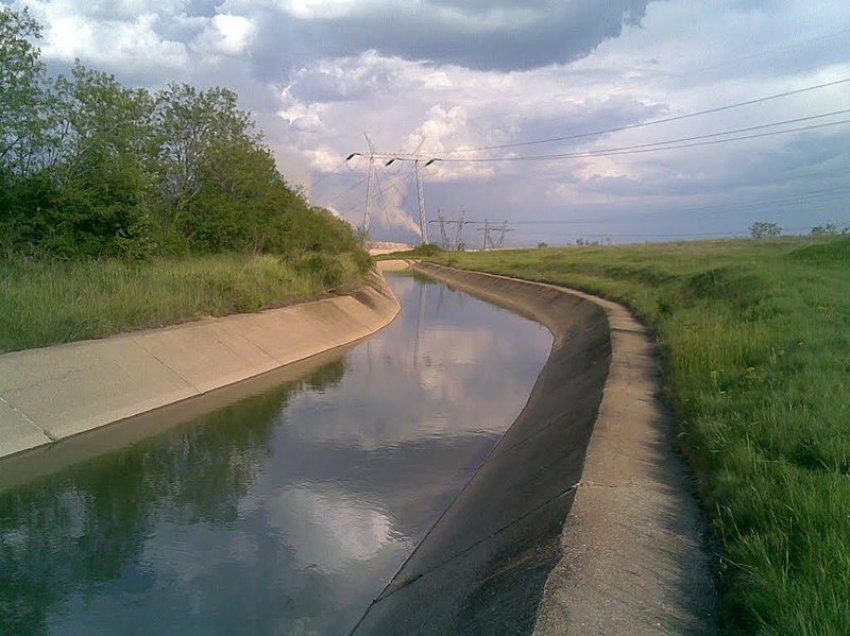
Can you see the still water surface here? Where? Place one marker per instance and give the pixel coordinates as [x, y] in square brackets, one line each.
[287, 512]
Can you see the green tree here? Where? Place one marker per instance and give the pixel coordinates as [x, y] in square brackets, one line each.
[108, 157]
[91, 168]
[190, 123]
[241, 199]
[27, 132]
[25, 120]
[830, 229]
[763, 229]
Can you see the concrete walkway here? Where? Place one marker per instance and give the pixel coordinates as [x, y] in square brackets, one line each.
[52, 393]
[634, 560]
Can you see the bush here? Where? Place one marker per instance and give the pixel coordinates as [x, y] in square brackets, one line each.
[362, 260]
[426, 250]
[326, 269]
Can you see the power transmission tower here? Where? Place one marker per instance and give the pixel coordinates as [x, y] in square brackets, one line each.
[450, 242]
[442, 221]
[486, 230]
[500, 242]
[370, 182]
[490, 230]
[459, 231]
[420, 187]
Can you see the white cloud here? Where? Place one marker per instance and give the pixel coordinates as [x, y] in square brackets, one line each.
[110, 43]
[227, 34]
[314, 74]
[320, 9]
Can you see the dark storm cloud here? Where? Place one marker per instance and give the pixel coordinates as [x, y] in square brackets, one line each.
[503, 35]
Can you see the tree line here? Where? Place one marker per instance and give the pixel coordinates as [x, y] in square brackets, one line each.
[92, 168]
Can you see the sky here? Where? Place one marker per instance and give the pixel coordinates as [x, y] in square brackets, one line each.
[492, 89]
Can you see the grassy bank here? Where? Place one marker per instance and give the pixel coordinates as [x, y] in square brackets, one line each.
[45, 302]
[755, 339]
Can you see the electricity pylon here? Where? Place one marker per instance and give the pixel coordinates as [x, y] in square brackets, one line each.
[490, 230]
[420, 188]
[370, 182]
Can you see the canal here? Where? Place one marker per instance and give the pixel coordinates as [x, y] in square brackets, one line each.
[286, 512]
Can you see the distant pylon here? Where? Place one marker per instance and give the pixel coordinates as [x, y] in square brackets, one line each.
[420, 190]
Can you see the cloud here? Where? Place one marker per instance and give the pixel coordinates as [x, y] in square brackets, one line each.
[226, 34]
[479, 35]
[127, 45]
[447, 76]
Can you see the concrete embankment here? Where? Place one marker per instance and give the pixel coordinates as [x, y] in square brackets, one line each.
[509, 556]
[52, 393]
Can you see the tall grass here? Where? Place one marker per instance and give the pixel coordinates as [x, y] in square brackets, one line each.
[46, 302]
[755, 341]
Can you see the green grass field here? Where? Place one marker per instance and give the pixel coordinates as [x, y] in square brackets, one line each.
[46, 302]
[755, 342]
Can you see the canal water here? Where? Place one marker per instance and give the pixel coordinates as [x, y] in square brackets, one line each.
[285, 513]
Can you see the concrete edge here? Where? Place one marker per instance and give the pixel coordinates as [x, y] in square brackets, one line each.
[53, 393]
[482, 566]
[634, 546]
[627, 556]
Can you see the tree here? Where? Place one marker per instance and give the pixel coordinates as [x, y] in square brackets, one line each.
[586, 242]
[190, 122]
[108, 157]
[24, 95]
[830, 229]
[89, 167]
[763, 229]
[27, 127]
[241, 198]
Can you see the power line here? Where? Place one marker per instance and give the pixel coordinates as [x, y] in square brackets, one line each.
[329, 174]
[664, 120]
[604, 131]
[672, 144]
[661, 145]
[823, 195]
[606, 235]
[393, 184]
[819, 197]
[762, 53]
[347, 190]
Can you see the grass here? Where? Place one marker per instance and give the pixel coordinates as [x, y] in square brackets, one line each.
[755, 342]
[46, 302]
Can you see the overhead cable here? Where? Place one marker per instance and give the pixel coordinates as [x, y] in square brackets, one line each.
[654, 122]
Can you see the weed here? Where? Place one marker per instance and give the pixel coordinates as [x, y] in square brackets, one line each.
[45, 302]
[755, 340]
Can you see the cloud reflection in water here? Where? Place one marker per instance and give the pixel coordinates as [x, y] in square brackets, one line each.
[288, 511]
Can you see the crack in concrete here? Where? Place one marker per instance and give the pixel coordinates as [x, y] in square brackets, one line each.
[29, 421]
[167, 366]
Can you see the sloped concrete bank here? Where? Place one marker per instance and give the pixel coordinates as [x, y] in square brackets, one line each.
[509, 556]
[52, 393]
